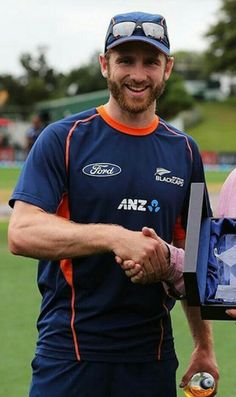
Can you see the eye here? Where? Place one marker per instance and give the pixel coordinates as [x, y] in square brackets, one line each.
[152, 61]
[125, 60]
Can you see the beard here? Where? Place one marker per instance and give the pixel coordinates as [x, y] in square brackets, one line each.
[134, 105]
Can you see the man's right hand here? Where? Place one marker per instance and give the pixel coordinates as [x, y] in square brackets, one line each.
[154, 269]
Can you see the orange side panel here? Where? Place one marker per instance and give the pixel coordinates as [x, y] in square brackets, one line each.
[179, 232]
[66, 268]
[63, 208]
[65, 264]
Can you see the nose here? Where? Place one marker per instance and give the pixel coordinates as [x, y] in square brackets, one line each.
[137, 72]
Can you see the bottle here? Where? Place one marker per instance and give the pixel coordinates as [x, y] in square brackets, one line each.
[201, 384]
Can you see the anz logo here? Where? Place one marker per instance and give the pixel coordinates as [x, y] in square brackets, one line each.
[139, 205]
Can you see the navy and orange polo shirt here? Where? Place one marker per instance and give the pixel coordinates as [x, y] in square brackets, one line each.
[91, 169]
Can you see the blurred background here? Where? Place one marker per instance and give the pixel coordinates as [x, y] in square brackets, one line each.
[48, 70]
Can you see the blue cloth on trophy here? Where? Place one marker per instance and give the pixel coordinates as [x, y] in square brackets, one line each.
[219, 243]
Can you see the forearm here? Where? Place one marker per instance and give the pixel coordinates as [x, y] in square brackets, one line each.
[201, 330]
[203, 356]
[38, 234]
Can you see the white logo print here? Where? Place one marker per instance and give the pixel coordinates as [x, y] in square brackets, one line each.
[128, 204]
[162, 171]
[175, 180]
[101, 170]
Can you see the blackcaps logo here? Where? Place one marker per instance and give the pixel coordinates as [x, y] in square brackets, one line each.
[162, 175]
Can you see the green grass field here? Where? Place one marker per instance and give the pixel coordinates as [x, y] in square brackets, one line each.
[19, 304]
[8, 177]
[215, 177]
[216, 131]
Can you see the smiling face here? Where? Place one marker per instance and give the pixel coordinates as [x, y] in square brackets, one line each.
[136, 75]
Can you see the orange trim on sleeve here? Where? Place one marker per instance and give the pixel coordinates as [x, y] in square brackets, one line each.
[125, 128]
[72, 130]
[176, 133]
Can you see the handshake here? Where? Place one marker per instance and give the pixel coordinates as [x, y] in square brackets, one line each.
[159, 262]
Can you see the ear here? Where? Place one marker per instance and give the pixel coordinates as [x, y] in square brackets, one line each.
[103, 65]
[168, 68]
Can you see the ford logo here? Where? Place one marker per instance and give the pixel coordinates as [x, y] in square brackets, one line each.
[101, 169]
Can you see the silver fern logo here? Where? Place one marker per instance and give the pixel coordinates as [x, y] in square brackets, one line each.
[162, 171]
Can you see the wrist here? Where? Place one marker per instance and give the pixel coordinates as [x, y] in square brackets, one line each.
[176, 264]
[176, 258]
[204, 351]
[174, 282]
[113, 236]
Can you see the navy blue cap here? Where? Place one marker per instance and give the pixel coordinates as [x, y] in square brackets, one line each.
[161, 43]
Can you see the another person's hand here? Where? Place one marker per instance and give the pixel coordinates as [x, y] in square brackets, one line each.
[231, 312]
[133, 270]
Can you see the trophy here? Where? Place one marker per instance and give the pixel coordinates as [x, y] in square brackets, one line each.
[225, 253]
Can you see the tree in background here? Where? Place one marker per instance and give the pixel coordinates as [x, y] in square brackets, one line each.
[86, 78]
[17, 101]
[221, 55]
[175, 98]
[191, 65]
[40, 82]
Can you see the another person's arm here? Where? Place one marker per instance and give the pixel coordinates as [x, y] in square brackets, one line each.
[227, 208]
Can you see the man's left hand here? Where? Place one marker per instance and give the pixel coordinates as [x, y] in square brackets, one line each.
[202, 360]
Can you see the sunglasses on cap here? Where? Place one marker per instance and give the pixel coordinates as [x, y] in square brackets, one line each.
[138, 26]
[150, 29]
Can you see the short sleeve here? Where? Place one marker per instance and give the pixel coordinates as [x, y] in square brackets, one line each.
[43, 179]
